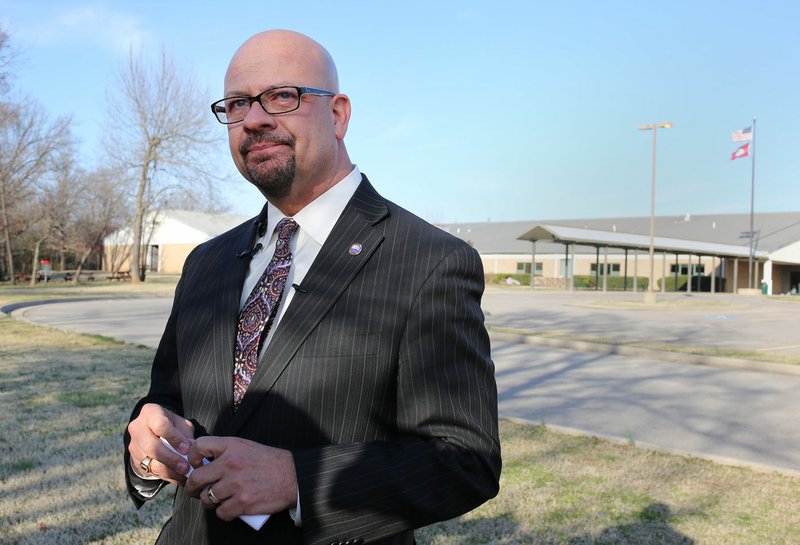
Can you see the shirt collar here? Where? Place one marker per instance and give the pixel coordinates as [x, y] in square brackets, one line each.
[319, 216]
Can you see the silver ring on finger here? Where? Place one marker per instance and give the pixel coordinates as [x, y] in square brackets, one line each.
[145, 464]
[216, 502]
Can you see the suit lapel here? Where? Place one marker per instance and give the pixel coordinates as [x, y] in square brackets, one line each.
[226, 315]
[333, 270]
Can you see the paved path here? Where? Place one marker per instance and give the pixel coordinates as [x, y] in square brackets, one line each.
[720, 320]
[138, 321]
[740, 415]
[708, 411]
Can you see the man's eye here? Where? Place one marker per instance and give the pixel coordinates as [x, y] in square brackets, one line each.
[283, 96]
[237, 104]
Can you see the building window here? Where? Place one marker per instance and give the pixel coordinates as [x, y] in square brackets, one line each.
[613, 269]
[525, 268]
[683, 269]
[679, 269]
[565, 268]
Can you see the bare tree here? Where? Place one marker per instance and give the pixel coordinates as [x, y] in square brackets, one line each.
[7, 56]
[38, 233]
[96, 215]
[29, 145]
[161, 136]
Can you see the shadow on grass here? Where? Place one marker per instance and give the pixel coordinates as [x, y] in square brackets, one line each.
[651, 528]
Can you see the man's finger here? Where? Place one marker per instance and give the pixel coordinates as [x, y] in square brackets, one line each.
[164, 472]
[179, 441]
[210, 447]
[173, 461]
[163, 423]
[181, 435]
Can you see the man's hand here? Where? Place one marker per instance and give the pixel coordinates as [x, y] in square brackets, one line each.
[248, 478]
[155, 421]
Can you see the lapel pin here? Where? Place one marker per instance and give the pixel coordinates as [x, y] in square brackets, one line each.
[355, 249]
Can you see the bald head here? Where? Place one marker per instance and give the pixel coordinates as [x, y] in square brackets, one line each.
[293, 55]
[296, 155]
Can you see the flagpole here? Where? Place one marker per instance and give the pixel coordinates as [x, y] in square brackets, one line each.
[751, 274]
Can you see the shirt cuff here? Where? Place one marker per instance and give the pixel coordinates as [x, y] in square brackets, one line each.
[146, 486]
[295, 513]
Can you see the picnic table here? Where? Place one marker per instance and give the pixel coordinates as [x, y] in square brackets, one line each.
[120, 275]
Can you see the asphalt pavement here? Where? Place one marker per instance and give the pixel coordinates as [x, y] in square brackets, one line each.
[723, 321]
[731, 415]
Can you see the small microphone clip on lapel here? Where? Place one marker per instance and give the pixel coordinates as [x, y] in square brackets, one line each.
[249, 253]
[261, 230]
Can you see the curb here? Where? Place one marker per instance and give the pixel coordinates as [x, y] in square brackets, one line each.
[661, 355]
[722, 460]
[8, 309]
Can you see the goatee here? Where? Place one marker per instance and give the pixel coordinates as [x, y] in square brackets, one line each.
[275, 182]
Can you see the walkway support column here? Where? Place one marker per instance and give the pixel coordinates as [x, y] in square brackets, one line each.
[713, 274]
[571, 271]
[597, 268]
[699, 274]
[625, 277]
[677, 271]
[566, 268]
[689, 272]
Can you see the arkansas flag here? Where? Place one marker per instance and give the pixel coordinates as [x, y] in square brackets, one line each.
[741, 151]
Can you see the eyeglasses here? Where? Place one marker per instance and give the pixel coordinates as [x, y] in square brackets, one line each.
[278, 100]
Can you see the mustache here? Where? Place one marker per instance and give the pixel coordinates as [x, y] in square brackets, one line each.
[262, 138]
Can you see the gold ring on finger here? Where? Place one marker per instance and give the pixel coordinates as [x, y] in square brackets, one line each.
[145, 464]
[213, 499]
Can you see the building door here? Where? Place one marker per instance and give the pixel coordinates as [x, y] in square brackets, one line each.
[794, 281]
[152, 262]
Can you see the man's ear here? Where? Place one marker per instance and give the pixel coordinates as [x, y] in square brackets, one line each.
[340, 108]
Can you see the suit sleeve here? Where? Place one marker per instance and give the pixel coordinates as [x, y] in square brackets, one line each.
[445, 459]
[164, 390]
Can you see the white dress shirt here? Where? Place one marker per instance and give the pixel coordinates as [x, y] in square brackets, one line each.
[315, 222]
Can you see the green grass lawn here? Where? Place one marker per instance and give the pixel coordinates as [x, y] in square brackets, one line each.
[65, 400]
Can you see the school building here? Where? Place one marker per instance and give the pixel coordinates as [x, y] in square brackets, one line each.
[713, 250]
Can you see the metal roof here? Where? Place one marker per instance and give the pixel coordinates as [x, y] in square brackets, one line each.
[593, 237]
[777, 230]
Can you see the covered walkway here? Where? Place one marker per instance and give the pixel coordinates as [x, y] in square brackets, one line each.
[571, 237]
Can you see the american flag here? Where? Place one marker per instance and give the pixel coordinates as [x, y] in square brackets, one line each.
[743, 135]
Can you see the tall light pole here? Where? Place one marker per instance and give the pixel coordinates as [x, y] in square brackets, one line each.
[650, 296]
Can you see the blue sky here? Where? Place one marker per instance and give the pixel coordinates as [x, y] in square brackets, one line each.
[474, 111]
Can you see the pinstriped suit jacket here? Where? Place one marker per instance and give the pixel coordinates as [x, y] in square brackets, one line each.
[378, 379]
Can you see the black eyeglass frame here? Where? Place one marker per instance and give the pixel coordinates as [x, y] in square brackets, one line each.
[257, 98]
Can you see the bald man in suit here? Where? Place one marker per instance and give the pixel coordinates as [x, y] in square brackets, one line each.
[372, 408]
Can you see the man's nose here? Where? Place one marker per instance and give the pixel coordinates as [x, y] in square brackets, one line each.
[257, 119]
